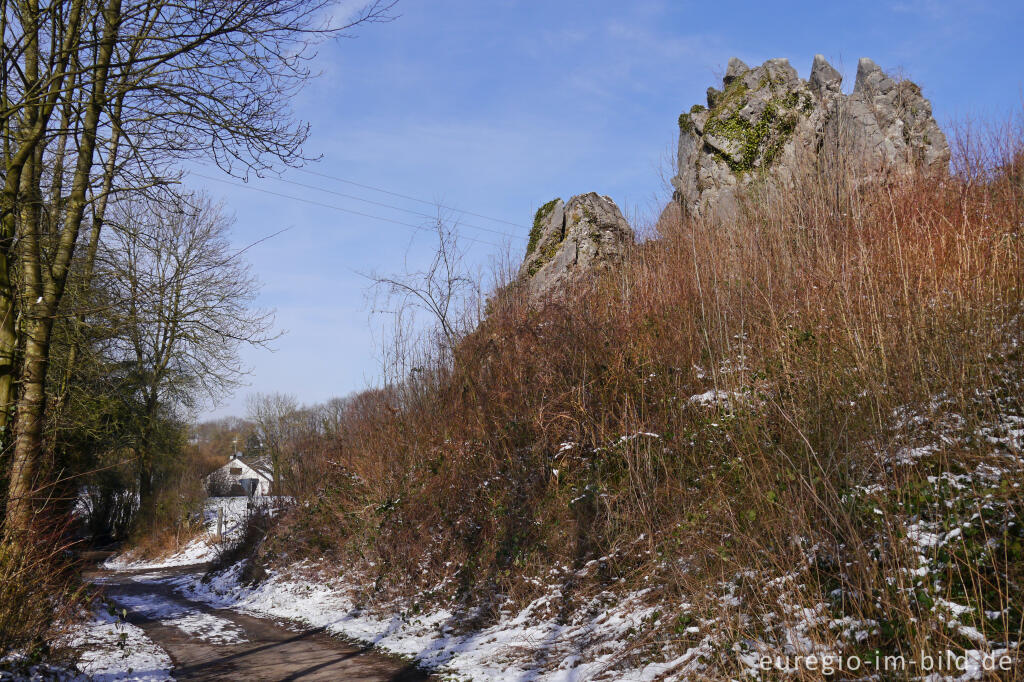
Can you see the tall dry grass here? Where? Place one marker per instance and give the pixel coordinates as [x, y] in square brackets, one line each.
[837, 321]
[40, 591]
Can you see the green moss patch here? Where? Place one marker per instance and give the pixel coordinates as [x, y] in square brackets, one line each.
[759, 142]
[546, 251]
[686, 123]
[546, 254]
[538, 220]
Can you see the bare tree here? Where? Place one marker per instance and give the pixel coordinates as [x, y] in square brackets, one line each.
[279, 423]
[331, 416]
[185, 306]
[92, 92]
[444, 288]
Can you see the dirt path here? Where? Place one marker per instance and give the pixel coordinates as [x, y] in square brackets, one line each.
[219, 644]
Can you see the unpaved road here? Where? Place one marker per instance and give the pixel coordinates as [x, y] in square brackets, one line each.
[219, 644]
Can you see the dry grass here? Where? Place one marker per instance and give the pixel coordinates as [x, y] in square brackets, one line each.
[847, 321]
[177, 514]
[40, 592]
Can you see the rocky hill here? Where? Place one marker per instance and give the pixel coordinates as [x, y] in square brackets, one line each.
[749, 453]
[586, 234]
[766, 120]
[763, 125]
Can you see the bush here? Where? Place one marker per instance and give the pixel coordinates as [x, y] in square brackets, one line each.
[254, 529]
[40, 591]
[724, 413]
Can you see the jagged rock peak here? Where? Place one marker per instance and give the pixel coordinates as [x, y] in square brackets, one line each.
[869, 75]
[735, 69]
[824, 78]
[765, 120]
[572, 239]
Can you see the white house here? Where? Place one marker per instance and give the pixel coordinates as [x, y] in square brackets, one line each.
[227, 480]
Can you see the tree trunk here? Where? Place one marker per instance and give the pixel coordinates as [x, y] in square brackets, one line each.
[31, 128]
[24, 470]
[8, 345]
[145, 489]
[144, 452]
[8, 331]
[99, 213]
[45, 284]
[24, 484]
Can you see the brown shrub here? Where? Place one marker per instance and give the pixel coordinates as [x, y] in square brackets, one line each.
[824, 312]
[40, 591]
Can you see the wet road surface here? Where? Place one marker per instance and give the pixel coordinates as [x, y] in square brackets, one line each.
[220, 644]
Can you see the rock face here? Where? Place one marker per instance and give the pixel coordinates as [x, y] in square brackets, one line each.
[767, 119]
[568, 240]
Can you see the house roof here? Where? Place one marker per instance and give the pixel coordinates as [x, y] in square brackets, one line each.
[261, 466]
[265, 469]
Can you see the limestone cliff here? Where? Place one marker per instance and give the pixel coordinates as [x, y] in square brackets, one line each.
[584, 235]
[765, 119]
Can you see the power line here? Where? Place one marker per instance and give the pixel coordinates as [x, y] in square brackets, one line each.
[318, 188]
[399, 208]
[416, 228]
[406, 196]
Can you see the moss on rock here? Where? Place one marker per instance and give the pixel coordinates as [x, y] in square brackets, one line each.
[538, 222]
[547, 252]
[760, 141]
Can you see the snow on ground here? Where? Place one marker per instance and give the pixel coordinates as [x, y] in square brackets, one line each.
[193, 622]
[199, 550]
[112, 649]
[107, 649]
[529, 645]
[205, 547]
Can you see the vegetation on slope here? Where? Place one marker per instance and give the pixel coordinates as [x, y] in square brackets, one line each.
[800, 426]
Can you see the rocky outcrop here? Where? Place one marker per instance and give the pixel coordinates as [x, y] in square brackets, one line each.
[765, 120]
[568, 240]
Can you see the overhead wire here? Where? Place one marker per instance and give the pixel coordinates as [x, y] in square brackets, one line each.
[407, 197]
[321, 204]
[399, 208]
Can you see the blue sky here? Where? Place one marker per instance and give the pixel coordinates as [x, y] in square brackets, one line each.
[496, 106]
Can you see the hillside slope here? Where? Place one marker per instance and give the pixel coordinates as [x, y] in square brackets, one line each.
[795, 432]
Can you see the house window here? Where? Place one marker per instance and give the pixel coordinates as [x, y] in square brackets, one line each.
[236, 471]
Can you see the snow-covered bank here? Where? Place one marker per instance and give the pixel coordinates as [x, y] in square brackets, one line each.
[649, 634]
[532, 644]
[107, 649]
[204, 547]
[930, 511]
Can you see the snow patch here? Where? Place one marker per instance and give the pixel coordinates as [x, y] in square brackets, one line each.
[112, 649]
[203, 626]
[531, 644]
